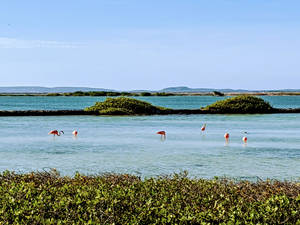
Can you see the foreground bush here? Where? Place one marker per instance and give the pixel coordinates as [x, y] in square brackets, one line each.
[240, 104]
[124, 106]
[46, 198]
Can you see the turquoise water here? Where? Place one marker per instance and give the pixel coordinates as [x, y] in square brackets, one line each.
[73, 102]
[131, 145]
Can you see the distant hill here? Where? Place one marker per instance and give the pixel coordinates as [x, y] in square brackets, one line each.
[184, 89]
[179, 89]
[36, 89]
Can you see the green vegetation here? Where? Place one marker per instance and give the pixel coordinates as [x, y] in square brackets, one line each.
[109, 93]
[54, 94]
[163, 94]
[47, 198]
[145, 94]
[156, 94]
[115, 111]
[130, 106]
[125, 106]
[98, 93]
[240, 104]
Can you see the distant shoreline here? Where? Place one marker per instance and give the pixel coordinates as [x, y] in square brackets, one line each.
[151, 94]
[124, 106]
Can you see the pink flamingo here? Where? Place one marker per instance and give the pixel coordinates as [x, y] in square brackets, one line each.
[162, 134]
[55, 132]
[226, 136]
[75, 133]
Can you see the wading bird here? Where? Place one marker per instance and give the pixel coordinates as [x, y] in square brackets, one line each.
[162, 134]
[55, 132]
[226, 136]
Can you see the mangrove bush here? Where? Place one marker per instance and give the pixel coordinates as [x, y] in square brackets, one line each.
[125, 106]
[240, 104]
[47, 198]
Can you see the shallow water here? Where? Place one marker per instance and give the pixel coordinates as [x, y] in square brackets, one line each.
[130, 145]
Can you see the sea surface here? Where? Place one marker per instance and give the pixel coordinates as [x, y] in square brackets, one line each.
[129, 144]
[80, 102]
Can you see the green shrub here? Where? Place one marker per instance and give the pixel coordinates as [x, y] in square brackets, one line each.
[240, 104]
[163, 94]
[111, 93]
[145, 94]
[53, 94]
[47, 198]
[97, 93]
[128, 94]
[79, 93]
[129, 106]
[115, 111]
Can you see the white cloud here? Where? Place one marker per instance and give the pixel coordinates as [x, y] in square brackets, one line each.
[21, 43]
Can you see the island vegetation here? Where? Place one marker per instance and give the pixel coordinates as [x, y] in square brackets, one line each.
[240, 104]
[125, 106]
[110, 93]
[47, 198]
[129, 106]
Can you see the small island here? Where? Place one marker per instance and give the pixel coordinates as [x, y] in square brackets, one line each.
[240, 104]
[125, 106]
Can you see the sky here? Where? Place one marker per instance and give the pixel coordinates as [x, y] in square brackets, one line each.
[134, 44]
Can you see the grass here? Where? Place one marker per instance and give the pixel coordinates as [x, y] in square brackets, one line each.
[47, 198]
[124, 106]
[240, 104]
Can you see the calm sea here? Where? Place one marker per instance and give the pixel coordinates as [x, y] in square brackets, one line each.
[130, 144]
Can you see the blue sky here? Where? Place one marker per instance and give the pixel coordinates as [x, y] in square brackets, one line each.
[131, 44]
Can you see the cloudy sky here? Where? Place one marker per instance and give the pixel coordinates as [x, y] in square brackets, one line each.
[134, 44]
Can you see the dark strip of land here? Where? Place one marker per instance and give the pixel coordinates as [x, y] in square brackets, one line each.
[45, 113]
[146, 94]
[166, 112]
